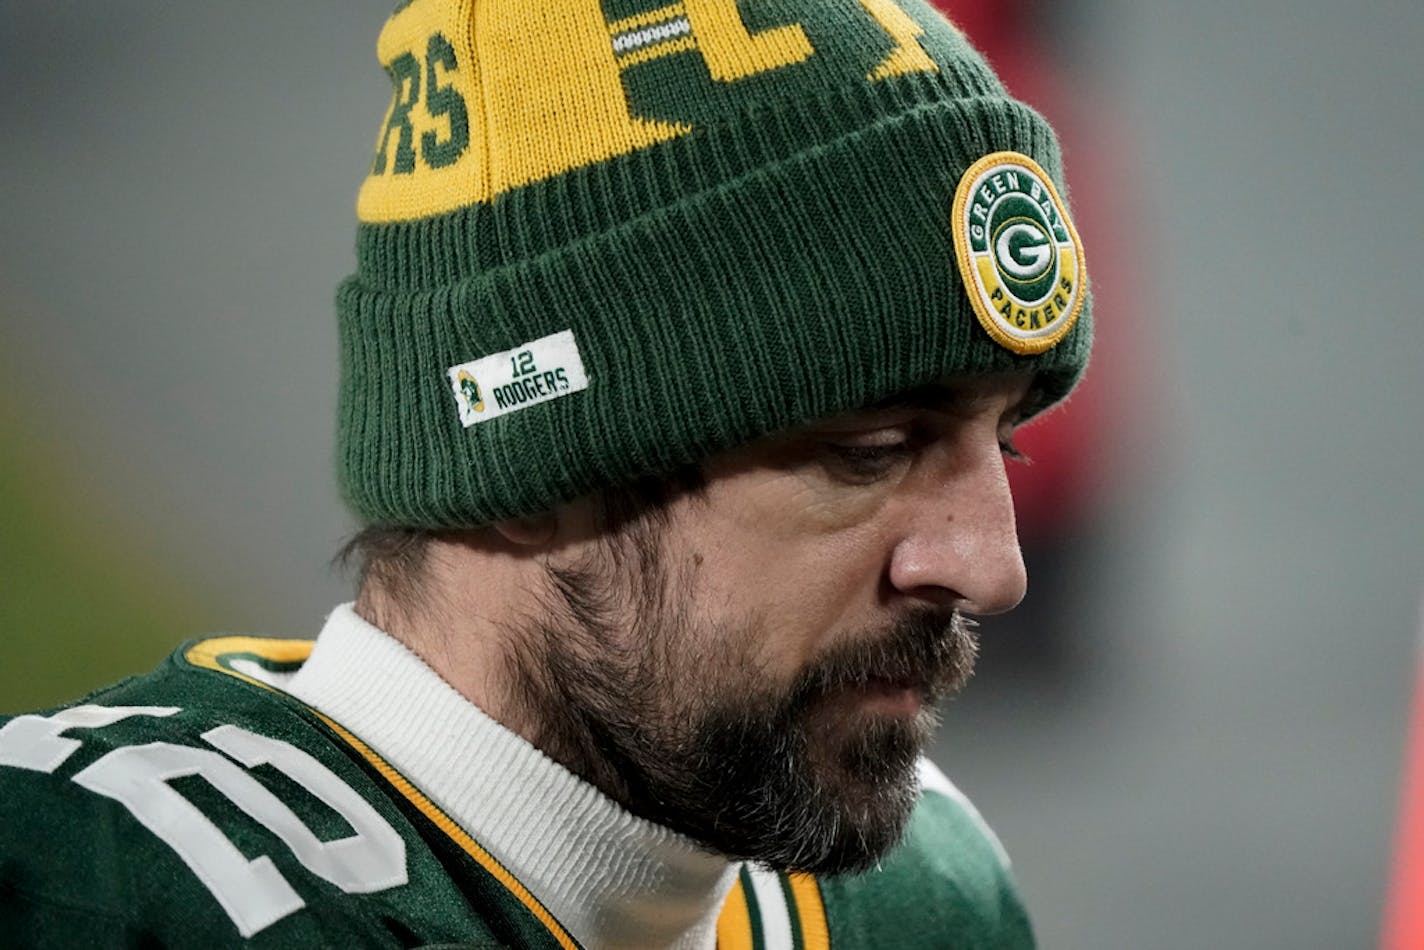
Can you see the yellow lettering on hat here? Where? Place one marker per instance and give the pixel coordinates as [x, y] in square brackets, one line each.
[543, 94]
[908, 56]
[491, 95]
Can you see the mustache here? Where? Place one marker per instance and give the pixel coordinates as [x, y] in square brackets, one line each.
[930, 650]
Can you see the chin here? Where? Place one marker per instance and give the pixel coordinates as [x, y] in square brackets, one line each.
[865, 792]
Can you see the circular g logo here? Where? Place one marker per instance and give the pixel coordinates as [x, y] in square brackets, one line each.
[1018, 253]
[1023, 249]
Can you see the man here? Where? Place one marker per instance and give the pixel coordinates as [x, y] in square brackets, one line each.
[685, 350]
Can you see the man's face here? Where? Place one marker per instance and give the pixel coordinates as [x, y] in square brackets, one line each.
[756, 663]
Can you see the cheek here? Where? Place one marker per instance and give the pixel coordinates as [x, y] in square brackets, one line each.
[791, 565]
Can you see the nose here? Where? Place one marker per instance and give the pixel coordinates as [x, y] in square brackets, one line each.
[960, 544]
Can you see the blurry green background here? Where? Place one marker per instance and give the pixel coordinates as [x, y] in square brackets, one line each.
[1217, 765]
[80, 606]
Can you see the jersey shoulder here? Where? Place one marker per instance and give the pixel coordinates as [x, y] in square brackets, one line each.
[197, 805]
[947, 884]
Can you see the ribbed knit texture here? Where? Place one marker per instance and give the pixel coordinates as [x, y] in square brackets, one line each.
[785, 252]
[612, 879]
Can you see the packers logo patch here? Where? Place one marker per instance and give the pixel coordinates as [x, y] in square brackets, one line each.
[1019, 255]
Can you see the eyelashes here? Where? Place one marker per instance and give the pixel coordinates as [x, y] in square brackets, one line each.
[867, 463]
[863, 464]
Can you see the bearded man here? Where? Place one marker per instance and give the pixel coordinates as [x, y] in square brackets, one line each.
[684, 355]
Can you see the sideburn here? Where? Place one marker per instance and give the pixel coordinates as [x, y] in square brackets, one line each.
[606, 630]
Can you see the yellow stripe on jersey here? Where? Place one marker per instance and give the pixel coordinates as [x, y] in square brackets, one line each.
[815, 931]
[458, 835]
[737, 931]
[734, 923]
[215, 654]
[212, 654]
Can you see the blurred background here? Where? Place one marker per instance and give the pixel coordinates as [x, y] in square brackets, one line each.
[1192, 733]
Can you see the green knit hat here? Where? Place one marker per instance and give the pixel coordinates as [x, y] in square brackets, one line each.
[602, 239]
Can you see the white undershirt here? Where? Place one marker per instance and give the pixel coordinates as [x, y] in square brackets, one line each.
[612, 879]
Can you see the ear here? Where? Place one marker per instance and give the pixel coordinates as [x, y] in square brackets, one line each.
[531, 531]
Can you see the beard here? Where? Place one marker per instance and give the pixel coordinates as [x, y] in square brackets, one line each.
[805, 778]
[673, 717]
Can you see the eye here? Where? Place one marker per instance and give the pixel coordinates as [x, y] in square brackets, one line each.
[866, 460]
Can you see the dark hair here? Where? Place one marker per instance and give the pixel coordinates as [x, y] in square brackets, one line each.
[391, 559]
[388, 557]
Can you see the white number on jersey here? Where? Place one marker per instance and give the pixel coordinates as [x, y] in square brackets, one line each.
[254, 893]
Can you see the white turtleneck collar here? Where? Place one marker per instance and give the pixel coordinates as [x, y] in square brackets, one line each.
[612, 879]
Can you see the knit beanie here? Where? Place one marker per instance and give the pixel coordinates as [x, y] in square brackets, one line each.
[603, 239]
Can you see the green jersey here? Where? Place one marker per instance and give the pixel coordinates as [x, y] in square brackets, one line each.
[198, 806]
